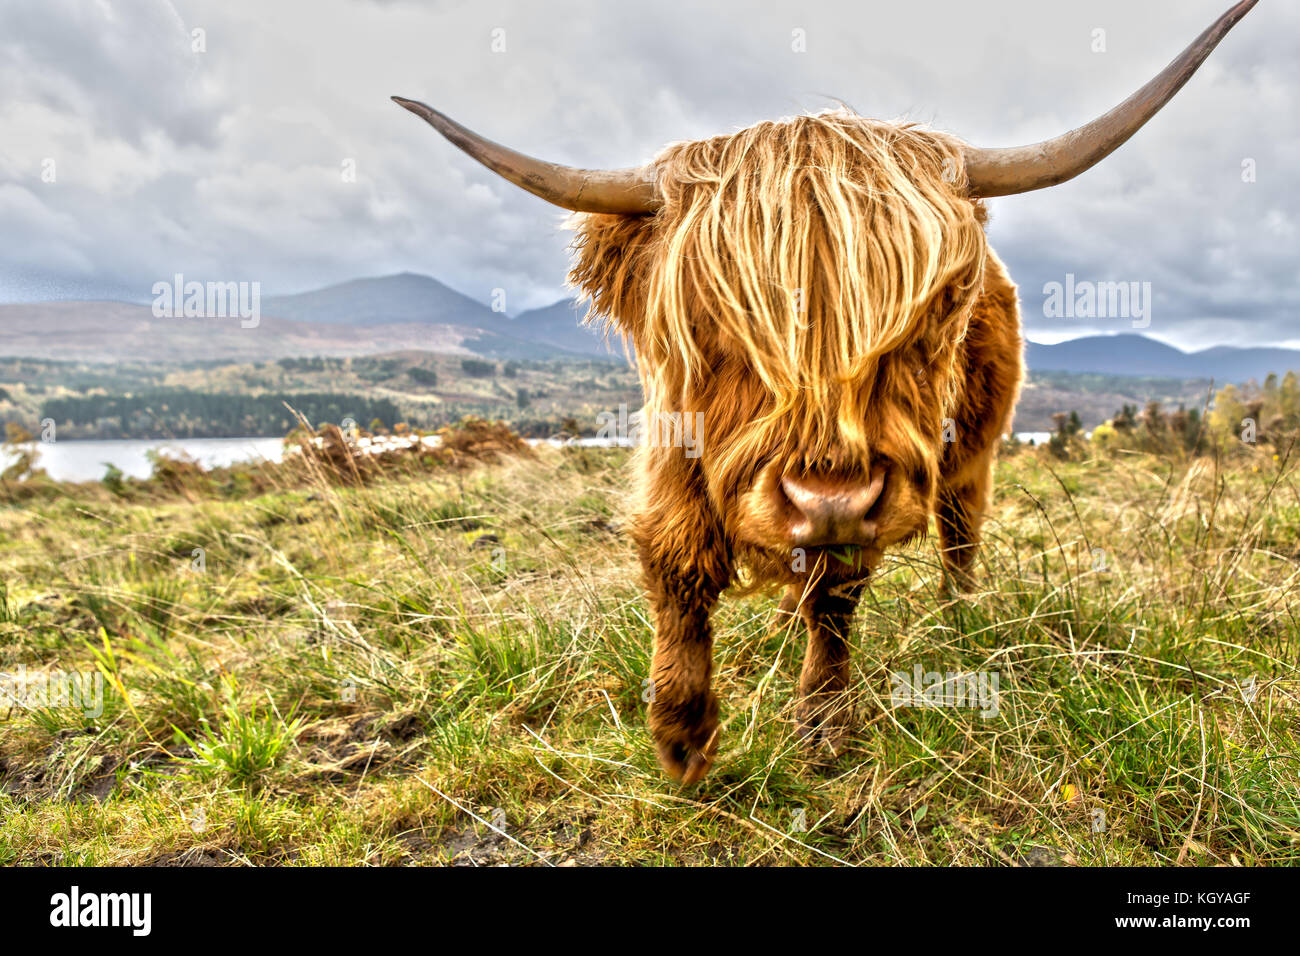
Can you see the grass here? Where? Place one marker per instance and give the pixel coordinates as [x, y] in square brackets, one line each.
[449, 666]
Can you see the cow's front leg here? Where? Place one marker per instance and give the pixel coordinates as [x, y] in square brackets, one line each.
[959, 514]
[823, 712]
[686, 566]
[683, 708]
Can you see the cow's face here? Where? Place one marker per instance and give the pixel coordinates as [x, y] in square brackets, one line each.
[801, 295]
[855, 469]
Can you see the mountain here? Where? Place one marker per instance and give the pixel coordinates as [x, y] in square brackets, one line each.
[385, 300]
[554, 331]
[560, 324]
[121, 332]
[358, 317]
[410, 311]
[1138, 355]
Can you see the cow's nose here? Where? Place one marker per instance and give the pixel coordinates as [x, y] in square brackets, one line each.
[830, 511]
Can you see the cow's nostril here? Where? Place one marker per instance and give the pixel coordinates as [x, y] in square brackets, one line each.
[827, 511]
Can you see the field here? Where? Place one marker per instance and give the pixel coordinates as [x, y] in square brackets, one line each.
[446, 666]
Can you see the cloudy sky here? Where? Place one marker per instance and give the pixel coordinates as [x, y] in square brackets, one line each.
[128, 155]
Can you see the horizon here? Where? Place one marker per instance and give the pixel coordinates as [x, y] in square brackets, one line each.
[1041, 337]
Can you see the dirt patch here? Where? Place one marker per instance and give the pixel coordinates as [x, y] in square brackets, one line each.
[565, 842]
[1042, 856]
[99, 784]
[346, 747]
[96, 777]
[25, 785]
[192, 856]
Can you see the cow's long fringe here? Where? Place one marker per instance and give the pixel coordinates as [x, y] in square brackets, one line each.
[833, 252]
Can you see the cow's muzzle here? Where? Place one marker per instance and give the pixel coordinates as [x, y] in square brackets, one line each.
[822, 511]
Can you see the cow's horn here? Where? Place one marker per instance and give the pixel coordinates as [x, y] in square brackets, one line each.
[1004, 172]
[627, 191]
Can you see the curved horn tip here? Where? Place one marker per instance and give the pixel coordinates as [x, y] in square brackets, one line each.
[616, 191]
[414, 106]
[1005, 172]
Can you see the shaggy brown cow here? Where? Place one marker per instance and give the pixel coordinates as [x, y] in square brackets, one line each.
[821, 289]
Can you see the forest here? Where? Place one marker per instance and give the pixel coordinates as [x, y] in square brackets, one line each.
[184, 413]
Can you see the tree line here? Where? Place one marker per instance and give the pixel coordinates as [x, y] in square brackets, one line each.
[1236, 419]
[182, 413]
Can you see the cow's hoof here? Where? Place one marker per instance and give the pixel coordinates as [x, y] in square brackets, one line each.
[686, 758]
[957, 586]
[685, 731]
[823, 728]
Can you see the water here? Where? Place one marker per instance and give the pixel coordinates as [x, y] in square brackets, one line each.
[88, 460]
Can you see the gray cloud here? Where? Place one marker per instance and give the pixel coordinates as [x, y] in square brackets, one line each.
[227, 163]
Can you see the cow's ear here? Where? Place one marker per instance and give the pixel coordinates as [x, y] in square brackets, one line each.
[613, 260]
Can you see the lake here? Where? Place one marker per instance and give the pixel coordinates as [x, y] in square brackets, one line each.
[87, 460]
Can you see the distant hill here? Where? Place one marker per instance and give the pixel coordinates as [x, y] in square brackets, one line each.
[560, 324]
[358, 317]
[553, 331]
[385, 300]
[119, 331]
[1138, 355]
[410, 311]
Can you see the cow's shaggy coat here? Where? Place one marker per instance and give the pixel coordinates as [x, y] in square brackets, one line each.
[822, 291]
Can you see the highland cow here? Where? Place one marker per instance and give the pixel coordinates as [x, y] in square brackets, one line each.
[822, 291]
